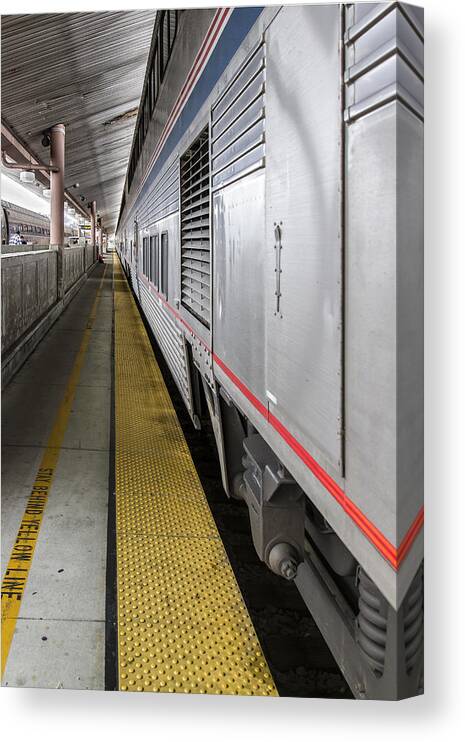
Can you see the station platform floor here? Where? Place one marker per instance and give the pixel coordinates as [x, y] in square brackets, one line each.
[114, 572]
[56, 421]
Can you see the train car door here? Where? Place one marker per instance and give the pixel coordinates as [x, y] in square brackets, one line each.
[303, 279]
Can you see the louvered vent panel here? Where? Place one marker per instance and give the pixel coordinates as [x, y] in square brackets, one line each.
[238, 123]
[163, 197]
[195, 229]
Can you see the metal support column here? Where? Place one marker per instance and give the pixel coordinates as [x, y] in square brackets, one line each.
[57, 184]
[93, 226]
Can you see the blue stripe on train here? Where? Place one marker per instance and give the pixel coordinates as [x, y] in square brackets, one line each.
[237, 28]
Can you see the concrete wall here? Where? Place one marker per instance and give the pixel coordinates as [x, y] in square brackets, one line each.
[36, 286]
[73, 265]
[29, 289]
[90, 255]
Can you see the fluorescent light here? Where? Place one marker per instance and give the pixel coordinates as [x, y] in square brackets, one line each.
[26, 176]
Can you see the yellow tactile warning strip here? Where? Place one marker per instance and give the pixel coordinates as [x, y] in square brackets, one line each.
[182, 622]
[20, 561]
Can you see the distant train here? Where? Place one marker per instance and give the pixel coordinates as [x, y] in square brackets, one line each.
[271, 228]
[31, 228]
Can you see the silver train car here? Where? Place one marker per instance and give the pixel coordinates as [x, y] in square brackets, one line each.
[271, 229]
[33, 228]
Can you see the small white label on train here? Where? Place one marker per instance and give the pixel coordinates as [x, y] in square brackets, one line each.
[271, 397]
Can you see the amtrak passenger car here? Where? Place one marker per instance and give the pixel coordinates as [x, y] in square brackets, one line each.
[271, 228]
[32, 228]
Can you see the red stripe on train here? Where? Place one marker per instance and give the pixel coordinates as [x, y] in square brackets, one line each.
[392, 554]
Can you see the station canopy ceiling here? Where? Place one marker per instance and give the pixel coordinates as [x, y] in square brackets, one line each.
[84, 70]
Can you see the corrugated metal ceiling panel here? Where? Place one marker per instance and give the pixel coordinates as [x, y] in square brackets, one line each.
[84, 70]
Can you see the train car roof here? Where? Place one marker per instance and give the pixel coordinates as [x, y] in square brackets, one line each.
[22, 209]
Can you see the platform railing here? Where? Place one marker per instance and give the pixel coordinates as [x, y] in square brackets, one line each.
[73, 266]
[10, 249]
[29, 289]
[36, 287]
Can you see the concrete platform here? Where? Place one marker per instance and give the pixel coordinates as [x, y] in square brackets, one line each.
[59, 638]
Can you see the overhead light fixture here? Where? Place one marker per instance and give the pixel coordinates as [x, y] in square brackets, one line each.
[26, 176]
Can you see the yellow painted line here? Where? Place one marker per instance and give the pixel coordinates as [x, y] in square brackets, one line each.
[183, 626]
[19, 564]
